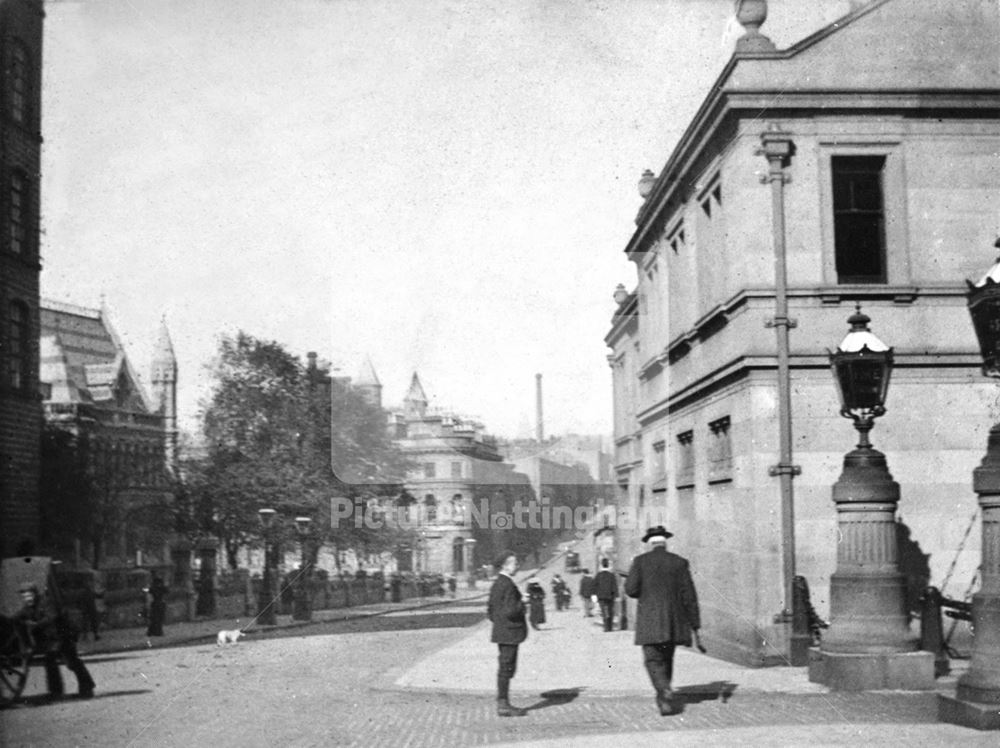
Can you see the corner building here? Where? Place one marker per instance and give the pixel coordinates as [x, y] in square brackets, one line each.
[20, 267]
[890, 197]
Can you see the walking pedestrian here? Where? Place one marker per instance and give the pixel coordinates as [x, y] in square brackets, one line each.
[667, 612]
[536, 603]
[587, 593]
[506, 612]
[606, 589]
[560, 592]
[54, 636]
[157, 606]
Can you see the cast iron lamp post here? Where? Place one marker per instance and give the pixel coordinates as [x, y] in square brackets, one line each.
[302, 610]
[868, 645]
[977, 697]
[266, 614]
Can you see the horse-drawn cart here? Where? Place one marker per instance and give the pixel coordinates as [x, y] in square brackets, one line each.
[17, 645]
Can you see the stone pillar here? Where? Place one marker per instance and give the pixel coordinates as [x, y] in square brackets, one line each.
[868, 645]
[207, 599]
[977, 699]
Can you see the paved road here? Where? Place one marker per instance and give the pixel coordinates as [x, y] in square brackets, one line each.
[339, 686]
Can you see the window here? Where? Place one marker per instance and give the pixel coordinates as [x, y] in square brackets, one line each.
[456, 470]
[16, 212]
[19, 346]
[720, 451]
[429, 470]
[859, 218]
[676, 238]
[431, 506]
[685, 459]
[18, 82]
[659, 459]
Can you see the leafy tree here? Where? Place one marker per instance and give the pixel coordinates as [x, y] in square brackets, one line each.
[270, 427]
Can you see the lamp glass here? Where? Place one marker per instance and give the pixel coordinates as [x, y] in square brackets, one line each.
[266, 516]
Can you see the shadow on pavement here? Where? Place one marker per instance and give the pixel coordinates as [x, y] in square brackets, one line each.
[99, 659]
[714, 691]
[43, 699]
[556, 697]
[371, 624]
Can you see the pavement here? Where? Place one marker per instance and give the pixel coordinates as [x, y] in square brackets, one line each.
[572, 659]
[584, 686]
[204, 631]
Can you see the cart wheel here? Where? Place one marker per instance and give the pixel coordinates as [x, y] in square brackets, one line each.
[15, 660]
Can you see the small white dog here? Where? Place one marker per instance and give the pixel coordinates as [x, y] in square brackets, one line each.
[229, 637]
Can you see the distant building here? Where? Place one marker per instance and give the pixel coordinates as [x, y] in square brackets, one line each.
[457, 470]
[124, 436]
[20, 265]
[892, 120]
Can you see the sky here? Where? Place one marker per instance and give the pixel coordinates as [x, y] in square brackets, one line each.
[444, 186]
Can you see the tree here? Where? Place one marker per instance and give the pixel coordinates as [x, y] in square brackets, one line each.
[270, 427]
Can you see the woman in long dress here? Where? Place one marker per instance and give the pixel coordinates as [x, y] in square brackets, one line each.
[536, 603]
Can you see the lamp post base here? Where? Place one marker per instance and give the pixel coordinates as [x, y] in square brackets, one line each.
[955, 711]
[904, 671]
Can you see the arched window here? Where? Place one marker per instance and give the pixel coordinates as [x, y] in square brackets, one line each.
[17, 213]
[18, 346]
[458, 554]
[431, 506]
[19, 82]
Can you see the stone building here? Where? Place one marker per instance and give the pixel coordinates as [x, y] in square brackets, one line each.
[458, 480]
[20, 266]
[124, 436]
[887, 197]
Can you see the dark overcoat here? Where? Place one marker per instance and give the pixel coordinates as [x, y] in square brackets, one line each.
[668, 604]
[606, 585]
[506, 611]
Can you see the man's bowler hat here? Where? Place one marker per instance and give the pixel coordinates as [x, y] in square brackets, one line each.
[652, 532]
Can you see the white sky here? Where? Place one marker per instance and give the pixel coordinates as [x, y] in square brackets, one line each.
[446, 186]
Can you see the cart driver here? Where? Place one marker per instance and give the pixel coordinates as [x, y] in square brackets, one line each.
[54, 637]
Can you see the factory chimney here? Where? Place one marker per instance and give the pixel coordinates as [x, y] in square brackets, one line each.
[539, 426]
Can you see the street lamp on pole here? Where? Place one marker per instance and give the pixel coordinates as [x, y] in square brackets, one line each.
[302, 610]
[266, 614]
[868, 645]
[977, 698]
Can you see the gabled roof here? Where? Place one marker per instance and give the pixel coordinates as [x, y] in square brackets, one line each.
[83, 359]
[886, 45]
[887, 54]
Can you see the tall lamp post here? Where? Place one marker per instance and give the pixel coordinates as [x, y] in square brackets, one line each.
[266, 614]
[868, 645]
[470, 560]
[977, 698]
[302, 610]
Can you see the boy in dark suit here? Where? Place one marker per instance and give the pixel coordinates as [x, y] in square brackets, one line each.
[606, 589]
[668, 610]
[506, 611]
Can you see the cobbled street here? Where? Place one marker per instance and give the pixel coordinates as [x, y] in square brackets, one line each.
[336, 684]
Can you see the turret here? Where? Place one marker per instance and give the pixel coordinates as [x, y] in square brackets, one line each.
[368, 384]
[415, 403]
[164, 382]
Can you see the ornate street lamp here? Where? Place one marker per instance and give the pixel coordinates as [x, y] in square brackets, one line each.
[266, 614]
[861, 368]
[646, 183]
[302, 610]
[977, 698]
[868, 645]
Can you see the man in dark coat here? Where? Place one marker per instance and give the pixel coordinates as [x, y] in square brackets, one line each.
[667, 612]
[506, 611]
[587, 592]
[54, 636]
[606, 589]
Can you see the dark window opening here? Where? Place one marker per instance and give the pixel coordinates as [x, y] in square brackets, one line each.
[859, 219]
[19, 346]
[18, 200]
